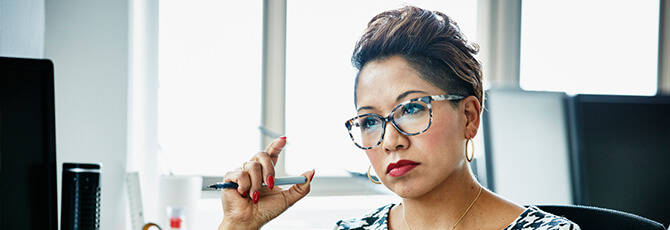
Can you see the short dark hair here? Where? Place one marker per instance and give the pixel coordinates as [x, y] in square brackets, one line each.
[430, 41]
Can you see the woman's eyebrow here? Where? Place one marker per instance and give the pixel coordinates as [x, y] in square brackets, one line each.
[398, 99]
[403, 95]
[365, 107]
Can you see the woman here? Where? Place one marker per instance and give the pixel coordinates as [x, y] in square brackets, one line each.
[419, 97]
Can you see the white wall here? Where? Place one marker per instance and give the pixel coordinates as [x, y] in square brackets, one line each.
[88, 44]
[22, 28]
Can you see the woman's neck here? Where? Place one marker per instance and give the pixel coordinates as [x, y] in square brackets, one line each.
[443, 206]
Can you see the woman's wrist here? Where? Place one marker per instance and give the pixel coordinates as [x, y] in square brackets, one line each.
[225, 225]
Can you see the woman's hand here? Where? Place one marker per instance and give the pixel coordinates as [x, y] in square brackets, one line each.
[252, 205]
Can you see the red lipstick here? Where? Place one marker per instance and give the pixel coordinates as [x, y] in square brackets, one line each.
[400, 168]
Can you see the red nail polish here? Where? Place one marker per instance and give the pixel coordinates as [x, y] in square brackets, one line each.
[256, 196]
[245, 193]
[282, 137]
[313, 173]
[271, 181]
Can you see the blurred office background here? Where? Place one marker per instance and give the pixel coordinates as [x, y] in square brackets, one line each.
[196, 87]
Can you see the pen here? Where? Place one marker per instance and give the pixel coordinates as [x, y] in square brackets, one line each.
[278, 181]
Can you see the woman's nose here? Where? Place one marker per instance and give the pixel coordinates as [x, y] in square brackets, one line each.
[393, 139]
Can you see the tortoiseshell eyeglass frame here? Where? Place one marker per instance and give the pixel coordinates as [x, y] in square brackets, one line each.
[427, 99]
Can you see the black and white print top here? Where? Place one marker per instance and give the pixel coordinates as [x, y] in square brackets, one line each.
[531, 219]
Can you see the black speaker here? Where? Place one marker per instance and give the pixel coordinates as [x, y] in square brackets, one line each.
[80, 209]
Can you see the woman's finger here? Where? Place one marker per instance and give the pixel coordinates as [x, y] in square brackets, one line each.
[255, 170]
[298, 191]
[241, 178]
[275, 148]
[268, 168]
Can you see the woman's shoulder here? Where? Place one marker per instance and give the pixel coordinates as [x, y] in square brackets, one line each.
[536, 219]
[377, 219]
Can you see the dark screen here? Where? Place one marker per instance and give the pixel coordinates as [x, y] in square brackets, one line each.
[27, 145]
[622, 153]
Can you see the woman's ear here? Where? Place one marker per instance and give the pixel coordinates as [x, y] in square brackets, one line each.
[472, 110]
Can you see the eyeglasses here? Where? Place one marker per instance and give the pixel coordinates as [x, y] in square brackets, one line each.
[410, 118]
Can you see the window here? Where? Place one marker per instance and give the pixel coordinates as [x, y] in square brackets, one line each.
[320, 78]
[578, 46]
[209, 84]
[210, 73]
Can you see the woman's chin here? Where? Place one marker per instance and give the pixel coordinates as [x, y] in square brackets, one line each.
[406, 190]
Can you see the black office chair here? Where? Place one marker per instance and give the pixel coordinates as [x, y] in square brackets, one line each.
[601, 218]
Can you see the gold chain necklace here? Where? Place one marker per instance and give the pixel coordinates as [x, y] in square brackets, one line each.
[459, 220]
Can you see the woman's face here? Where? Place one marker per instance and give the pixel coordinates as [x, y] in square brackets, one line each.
[411, 165]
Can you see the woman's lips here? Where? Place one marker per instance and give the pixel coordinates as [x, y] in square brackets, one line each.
[400, 168]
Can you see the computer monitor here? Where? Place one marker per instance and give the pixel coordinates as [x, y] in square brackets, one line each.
[28, 197]
[527, 131]
[621, 153]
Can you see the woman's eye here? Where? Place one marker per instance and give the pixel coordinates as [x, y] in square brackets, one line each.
[412, 108]
[369, 123]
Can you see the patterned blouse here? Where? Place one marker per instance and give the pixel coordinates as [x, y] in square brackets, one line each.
[531, 219]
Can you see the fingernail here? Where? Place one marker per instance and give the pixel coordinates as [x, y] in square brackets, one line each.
[245, 193]
[313, 173]
[282, 137]
[271, 181]
[256, 196]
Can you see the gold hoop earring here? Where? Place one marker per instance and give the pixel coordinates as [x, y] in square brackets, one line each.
[470, 157]
[370, 177]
